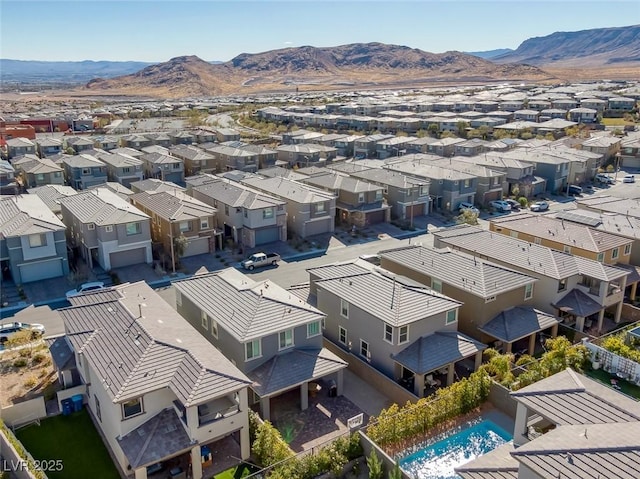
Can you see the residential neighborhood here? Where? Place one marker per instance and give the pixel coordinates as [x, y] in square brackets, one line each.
[474, 243]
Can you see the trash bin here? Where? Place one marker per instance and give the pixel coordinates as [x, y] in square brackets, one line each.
[333, 388]
[67, 407]
[77, 402]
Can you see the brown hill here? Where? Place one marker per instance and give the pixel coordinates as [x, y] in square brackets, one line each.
[355, 65]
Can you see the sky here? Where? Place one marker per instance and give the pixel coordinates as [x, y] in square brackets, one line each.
[157, 30]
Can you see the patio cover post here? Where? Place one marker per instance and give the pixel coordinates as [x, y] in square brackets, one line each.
[304, 395]
[600, 319]
[532, 344]
[265, 408]
[141, 473]
[451, 369]
[418, 385]
[196, 462]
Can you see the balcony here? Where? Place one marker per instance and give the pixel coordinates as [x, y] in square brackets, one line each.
[216, 410]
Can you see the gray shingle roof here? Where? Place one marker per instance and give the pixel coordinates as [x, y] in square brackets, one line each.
[461, 270]
[173, 205]
[102, 207]
[51, 195]
[82, 161]
[571, 398]
[135, 354]
[437, 350]
[290, 190]
[522, 254]
[154, 184]
[578, 303]
[597, 451]
[496, 464]
[292, 368]
[235, 194]
[25, 215]
[425, 169]
[245, 308]
[119, 160]
[518, 322]
[563, 232]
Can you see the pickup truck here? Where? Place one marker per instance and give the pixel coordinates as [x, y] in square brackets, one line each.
[260, 259]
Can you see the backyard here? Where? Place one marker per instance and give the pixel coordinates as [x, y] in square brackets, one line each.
[620, 384]
[73, 440]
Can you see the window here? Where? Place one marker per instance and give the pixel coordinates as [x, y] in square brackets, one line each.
[133, 228]
[214, 327]
[226, 210]
[86, 171]
[562, 285]
[452, 316]
[40, 177]
[126, 170]
[403, 335]
[176, 166]
[388, 333]
[108, 228]
[37, 240]
[627, 249]
[246, 213]
[342, 335]
[364, 349]
[320, 208]
[286, 339]
[567, 249]
[614, 253]
[360, 197]
[204, 223]
[98, 412]
[267, 213]
[252, 350]
[185, 226]
[436, 285]
[132, 408]
[344, 309]
[57, 174]
[313, 329]
[91, 226]
[467, 183]
[424, 190]
[528, 291]
[204, 320]
[600, 257]
[378, 195]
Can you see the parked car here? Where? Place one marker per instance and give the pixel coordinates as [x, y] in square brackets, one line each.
[7, 331]
[85, 288]
[500, 205]
[466, 206]
[539, 206]
[574, 190]
[605, 179]
[260, 259]
[515, 206]
[629, 179]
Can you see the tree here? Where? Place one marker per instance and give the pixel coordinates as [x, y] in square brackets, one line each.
[433, 129]
[180, 244]
[70, 151]
[376, 468]
[269, 448]
[467, 217]
[461, 127]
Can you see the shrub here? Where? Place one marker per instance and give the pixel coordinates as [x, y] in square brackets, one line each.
[20, 363]
[269, 448]
[30, 382]
[376, 468]
[523, 202]
[38, 358]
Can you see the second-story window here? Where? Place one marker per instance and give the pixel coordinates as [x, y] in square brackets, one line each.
[204, 320]
[528, 291]
[424, 190]
[252, 350]
[452, 316]
[91, 226]
[226, 210]
[467, 183]
[313, 329]
[133, 228]
[388, 333]
[37, 240]
[360, 197]
[176, 166]
[627, 249]
[403, 334]
[285, 339]
[267, 213]
[214, 327]
[600, 257]
[86, 171]
[436, 285]
[132, 408]
[378, 195]
[614, 253]
[126, 170]
[344, 309]
[204, 223]
[185, 226]
[562, 284]
[320, 208]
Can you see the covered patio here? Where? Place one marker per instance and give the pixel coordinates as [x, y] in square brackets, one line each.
[517, 323]
[579, 309]
[420, 363]
[297, 369]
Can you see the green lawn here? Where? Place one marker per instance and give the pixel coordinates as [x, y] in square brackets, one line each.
[604, 377]
[236, 472]
[72, 439]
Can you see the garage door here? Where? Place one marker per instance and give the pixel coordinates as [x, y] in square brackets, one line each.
[267, 235]
[631, 163]
[42, 270]
[127, 258]
[418, 210]
[197, 246]
[317, 227]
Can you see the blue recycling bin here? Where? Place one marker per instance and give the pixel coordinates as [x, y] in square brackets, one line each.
[67, 407]
[77, 402]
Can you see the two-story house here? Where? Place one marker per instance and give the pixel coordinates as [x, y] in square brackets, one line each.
[271, 335]
[247, 216]
[32, 240]
[490, 184]
[8, 182]
[577, 289]
[163, 167]
[366, 146]
[496, 301]
[20, 146]
[392, 147]
[404, 330]
[106, 229]
[122, 168]
[154, 184]
[51, 195]
[175, 214]
[520, 175]
[299, 155]
[82, 171]
[266, 157]
[359, 203]
[32, 171]
[79, 143]
[157, 390]
[553, 169]
[195, 159]
[227, 134]
[49, 146]
[310, 211]
[228, 158]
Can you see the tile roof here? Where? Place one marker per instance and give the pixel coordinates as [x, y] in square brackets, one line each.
[612, 204]
[496, 464]
[82, 161]
[26, 214]
[154, 184]
[160, 159]
[235, 194]
[570, 398]
[340, 182]
[245, 308]
[292, 368]
[518, 322]
[597, 451]
[436, 350]
[51, 195]
[528, 256]
[290, 190]
[137, 344]
[102, 207]
[387, 177]
[119, 160]
[36, 165]
[578, 303]
[173, 205]
[426, 169]
[461, 270]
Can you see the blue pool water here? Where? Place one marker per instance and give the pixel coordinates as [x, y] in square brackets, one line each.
[438, 460]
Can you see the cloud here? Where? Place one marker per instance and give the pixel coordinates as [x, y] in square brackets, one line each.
[288, 43]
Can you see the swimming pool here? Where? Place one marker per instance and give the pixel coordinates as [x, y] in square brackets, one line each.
[438, 460]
